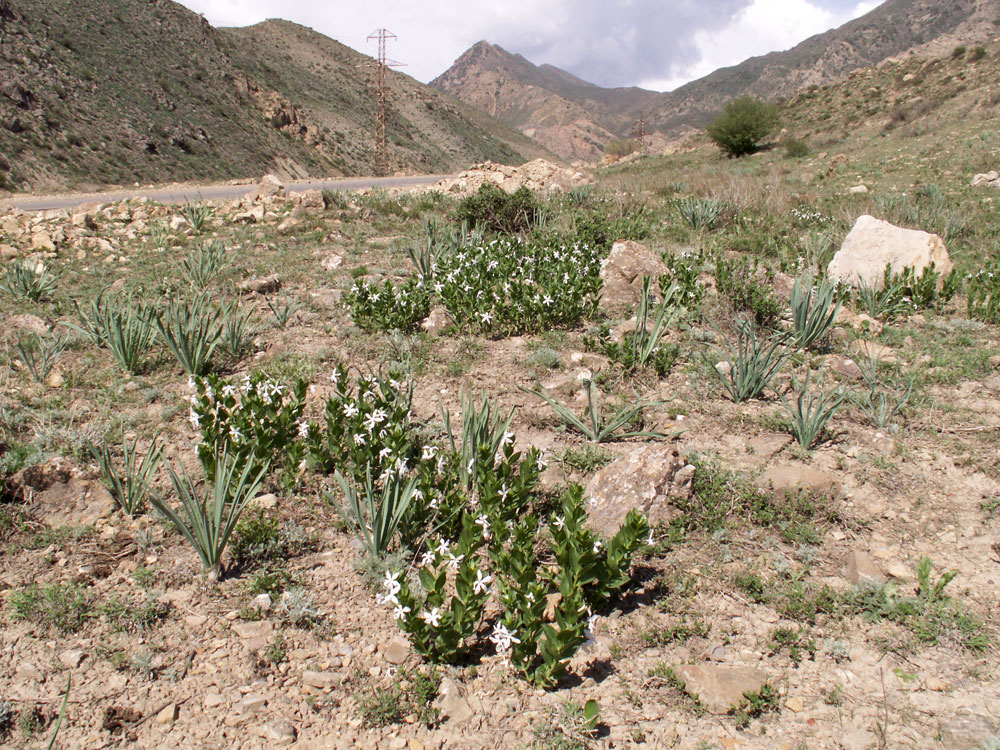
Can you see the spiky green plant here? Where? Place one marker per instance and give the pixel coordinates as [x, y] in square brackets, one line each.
[39, 354]
[197, 215]
[752, 363]
[886, 300]
[594, 429]
[192, 329]
[202, 265]
[236, 329]
[128, 480]
[123, 326]
[699, 213]
[814, 308]
[375, 514]
[31, 281]
[208, 523]
[484, 428]
[283, 313]
[811, 410]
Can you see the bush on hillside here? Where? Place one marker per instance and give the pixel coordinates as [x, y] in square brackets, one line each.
[494, 210]
[743, 125]
[621, 147]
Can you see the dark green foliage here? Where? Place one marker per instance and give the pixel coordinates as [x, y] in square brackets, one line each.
[739, 281]
[796, 148]
[497, 211]
[411, 692]
[765, 701]
[743, 125]
[388, 306]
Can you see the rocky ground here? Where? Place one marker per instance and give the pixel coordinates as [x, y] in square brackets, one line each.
[160, 657]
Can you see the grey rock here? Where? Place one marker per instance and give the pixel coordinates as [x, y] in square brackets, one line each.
[321, 680]
[437, 321]
[280, 732]
[967, 730]
[452, 703]
[72, 658]
[861, 568]
[719, 689]
[397, 651]
[646, 479]
[622, 272]
[263, 285]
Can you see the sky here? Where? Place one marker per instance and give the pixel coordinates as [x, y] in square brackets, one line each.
[656, 44]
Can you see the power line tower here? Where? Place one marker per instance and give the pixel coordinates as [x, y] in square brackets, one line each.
[640, 131]
[382, 93]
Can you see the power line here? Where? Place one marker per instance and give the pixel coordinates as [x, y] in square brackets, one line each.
[382, 94]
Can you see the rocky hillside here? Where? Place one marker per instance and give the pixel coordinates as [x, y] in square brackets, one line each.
[577, 119]
[117, 91]
[573, 118]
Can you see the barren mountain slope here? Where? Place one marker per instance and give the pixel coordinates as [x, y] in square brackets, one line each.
[117, 91]
[551, 103]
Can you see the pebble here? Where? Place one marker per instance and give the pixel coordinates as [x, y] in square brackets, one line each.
[72, 658]
[280, 732]
[397, 651]
[167, 715]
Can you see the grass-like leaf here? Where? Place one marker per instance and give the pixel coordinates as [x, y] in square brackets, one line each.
[197, 215]
[201, 266]
[191, 329]
[594, 429]
[753, 363]
[236, 329]
[39, 354]
[813, 310]
[29, 281]
[375, 514]
[128, 485]
[699, 213]
[811, 410]
[483, 431]
[123, 326]
[208, 523]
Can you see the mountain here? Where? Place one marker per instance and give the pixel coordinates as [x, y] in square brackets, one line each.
[576, 119]
[117, 91]
[567, 115]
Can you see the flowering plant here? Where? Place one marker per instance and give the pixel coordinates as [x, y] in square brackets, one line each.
[456, 587]
[255, 420]
[509, 286]
[386, 306]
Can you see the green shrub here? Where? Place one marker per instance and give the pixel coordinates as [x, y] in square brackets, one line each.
[388, 306]
[958, 52]
[743, 125]
[621, 147]
[496, 211]
[796, 148]
[736, 281]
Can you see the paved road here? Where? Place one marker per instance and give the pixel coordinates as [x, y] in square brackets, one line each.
[182, 193]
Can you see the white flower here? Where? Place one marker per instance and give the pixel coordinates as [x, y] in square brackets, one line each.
[235, 434]
[350, 410]
[485, 523]
[508, 439]
[389, 599]
[486, 317]
[427, 558]
[400, 612]
[391, 582]
[359, 439]
[191, 383]
[303, 465]
[428, 454]
[379, 415]
[559, 522]
[597, 547]
[443, 548]
[401, 466]
[303, 429]
[370, 423]
[384, 453]
[503, 638]
[194, 419]
[482, 583]
[432, 618]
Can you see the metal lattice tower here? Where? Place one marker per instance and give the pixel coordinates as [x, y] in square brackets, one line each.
[382, 93]
[640, 131]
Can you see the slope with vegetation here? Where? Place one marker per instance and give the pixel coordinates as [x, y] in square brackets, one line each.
[117, 91]
[554, 103]
[318, 476]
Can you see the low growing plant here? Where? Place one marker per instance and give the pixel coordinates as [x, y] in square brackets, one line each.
[191, 328]
[811, 410]
[388, 306]
[752, 362]
[29, 281]
[122, 325]
[127, 480]
[814, 308]
[39, 354]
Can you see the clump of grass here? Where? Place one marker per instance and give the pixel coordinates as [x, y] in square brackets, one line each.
[29, 282]
[699, 214]
[192, 329]
[123, 326]
[128, 480]
[410, 693]
[63, 606]
[811, 410]
[758, 703]
[751, 362]
[197, 216]
[39, 354]
[814, 308]
[202, 265]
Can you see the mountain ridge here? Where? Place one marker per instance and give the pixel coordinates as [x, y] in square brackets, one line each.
[543, 99]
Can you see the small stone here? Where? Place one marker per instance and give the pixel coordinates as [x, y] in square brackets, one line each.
[167, 715]
[266, 502]
[397, 651]
[331, 262]
[280, 732]
[718, 689]
[252, 629]
[966, 730]
[321, 680]
[252, 704]
[858, 190]
[195, 621]
[935, 684]
[214, 700]
[54, 380]
[72, 658]
[795, 704]
[861, 568]
[452, 702]
[415, 744]
[265, 285]
[262, 602]
[898, 570]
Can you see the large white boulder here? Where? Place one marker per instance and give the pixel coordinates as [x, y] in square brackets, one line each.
[872, 245]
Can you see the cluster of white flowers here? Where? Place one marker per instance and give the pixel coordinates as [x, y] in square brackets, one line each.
[503, 638]
[809, 216]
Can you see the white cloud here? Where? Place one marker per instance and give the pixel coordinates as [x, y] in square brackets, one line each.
[656, 43]
[763, 26]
